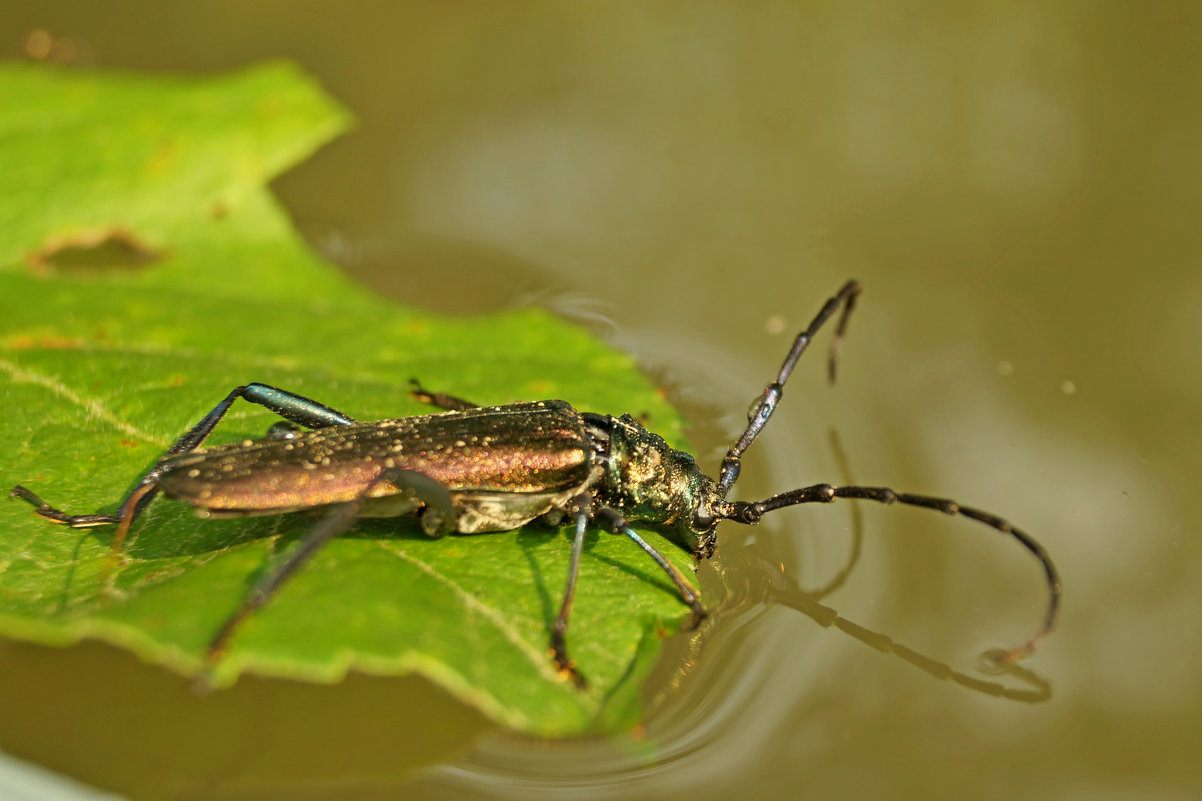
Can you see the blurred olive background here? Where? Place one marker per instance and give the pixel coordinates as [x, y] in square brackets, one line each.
[1016, 185]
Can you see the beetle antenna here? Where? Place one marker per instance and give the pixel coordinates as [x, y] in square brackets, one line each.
[750, 514]
[765, 405]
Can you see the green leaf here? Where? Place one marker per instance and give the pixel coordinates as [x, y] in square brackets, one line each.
[194, 283]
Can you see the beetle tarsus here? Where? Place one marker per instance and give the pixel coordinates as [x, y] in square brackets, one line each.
[698, 615]
[48, 512]
[564, 667]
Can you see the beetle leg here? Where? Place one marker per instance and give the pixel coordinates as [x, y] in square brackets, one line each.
[437, 516]
[439, 399]
[330, 526]
[283, 429]
[559, 629]
[57, 515]
[763, 407]
[688, 593]
[289, 405]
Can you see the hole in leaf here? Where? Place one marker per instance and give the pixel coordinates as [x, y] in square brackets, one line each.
[93, 253]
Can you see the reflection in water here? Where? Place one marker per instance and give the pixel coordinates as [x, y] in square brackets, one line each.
[783, 591]
[807, 603]
[688, 730]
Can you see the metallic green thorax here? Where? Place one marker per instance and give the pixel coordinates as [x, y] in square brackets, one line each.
[648, 480]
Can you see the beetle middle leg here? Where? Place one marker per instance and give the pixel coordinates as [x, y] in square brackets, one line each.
[442, 400]
[289, 405]
[618, 525]
[559, 629]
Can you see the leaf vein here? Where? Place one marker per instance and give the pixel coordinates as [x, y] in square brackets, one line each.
[537, 656]
[93, 407]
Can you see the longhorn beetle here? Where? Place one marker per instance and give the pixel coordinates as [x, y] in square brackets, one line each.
[473, 469]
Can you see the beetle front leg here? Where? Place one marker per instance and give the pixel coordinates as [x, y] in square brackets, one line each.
[688, 593]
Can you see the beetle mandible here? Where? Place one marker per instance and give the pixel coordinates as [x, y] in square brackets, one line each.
[473, 469]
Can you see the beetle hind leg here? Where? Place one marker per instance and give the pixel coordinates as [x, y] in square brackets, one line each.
[43, 509]
[295, 408]
[131, 507]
